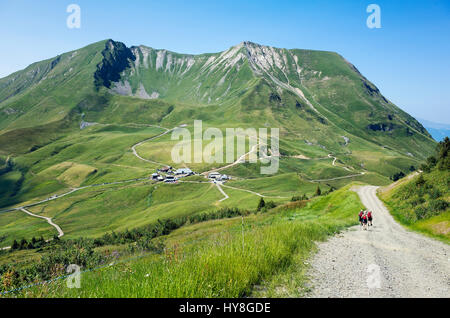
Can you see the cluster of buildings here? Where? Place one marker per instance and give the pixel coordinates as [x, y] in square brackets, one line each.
[169, 175]
[218, 177]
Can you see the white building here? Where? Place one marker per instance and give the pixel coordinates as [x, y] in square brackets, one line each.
[214, 175]
[185, 171]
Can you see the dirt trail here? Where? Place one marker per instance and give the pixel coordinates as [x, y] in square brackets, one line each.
[410, 265]
[133, 148]
[225, 196]
[241, 159]
[49, 221]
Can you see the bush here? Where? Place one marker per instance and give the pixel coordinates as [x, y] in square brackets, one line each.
[431, 162]
[261, 204]
[146, 244]
[397, 176]
[434, 193]
[438, 205]
[417, 201]
[318, 191]
[299, 198]
[425, 168]
[52, 264]
[270, 205]
[420, 181]
[443, 158]
[219, 214]
[421, 212]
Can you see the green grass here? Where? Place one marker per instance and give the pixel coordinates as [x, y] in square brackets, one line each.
[40, 132]
[407, 199]
[211, 260]
[16, 225]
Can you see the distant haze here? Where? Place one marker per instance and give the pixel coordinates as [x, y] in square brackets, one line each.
[437, 130]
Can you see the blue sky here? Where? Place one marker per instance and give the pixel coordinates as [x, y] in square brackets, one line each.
[408, 58]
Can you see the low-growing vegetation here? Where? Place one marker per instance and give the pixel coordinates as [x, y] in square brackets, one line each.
[242, 252]
[57, 252]
[422, 203]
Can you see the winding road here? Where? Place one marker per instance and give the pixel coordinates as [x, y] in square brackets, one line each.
[225, 196]
[54, 197]
[49, 221]
[133, 148]
[385, 261]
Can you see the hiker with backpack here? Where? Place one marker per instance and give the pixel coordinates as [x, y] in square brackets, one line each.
[370, 218]
[364, 221]
[361, 213]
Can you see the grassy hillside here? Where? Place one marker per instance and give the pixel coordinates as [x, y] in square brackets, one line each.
[81, 119]
[421, 201]
[221, 258]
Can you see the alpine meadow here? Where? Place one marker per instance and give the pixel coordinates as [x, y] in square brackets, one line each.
[87, 174]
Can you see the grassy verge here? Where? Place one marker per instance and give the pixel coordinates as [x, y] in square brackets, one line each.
[222, 258]
[421, 204]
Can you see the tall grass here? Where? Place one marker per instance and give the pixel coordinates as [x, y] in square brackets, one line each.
[229, 264]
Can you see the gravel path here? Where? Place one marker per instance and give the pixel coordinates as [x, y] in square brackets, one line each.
[408, 264]
[49, 221]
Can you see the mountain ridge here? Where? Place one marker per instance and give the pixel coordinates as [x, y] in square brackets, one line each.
[318, 95]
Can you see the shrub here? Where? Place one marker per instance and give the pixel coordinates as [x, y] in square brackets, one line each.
[299, 198]
[438, 205]
[434, 193]
[146, 244]
[443, 150]
[318, 191]
[332, 189]
[431, 162]
[425, 168]
[270, 205]
[261, 204]
[397, 176]
[421, 212]
[420, 181]
[417, 201]
[15, 245]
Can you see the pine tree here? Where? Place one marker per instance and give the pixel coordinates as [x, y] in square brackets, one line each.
[443, 150]
[318, 191]
[261, 204]
[15, 245]
[23, 244]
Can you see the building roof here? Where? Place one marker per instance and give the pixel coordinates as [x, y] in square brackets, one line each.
[183, 170]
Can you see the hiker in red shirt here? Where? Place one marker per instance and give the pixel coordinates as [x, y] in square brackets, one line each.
[361, 213]
[369, 216]
[364, 221]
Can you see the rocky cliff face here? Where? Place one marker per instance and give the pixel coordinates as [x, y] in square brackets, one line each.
[116, 57]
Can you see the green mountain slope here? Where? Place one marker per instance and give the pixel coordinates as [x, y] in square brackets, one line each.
[53, 111]
[421, 201]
